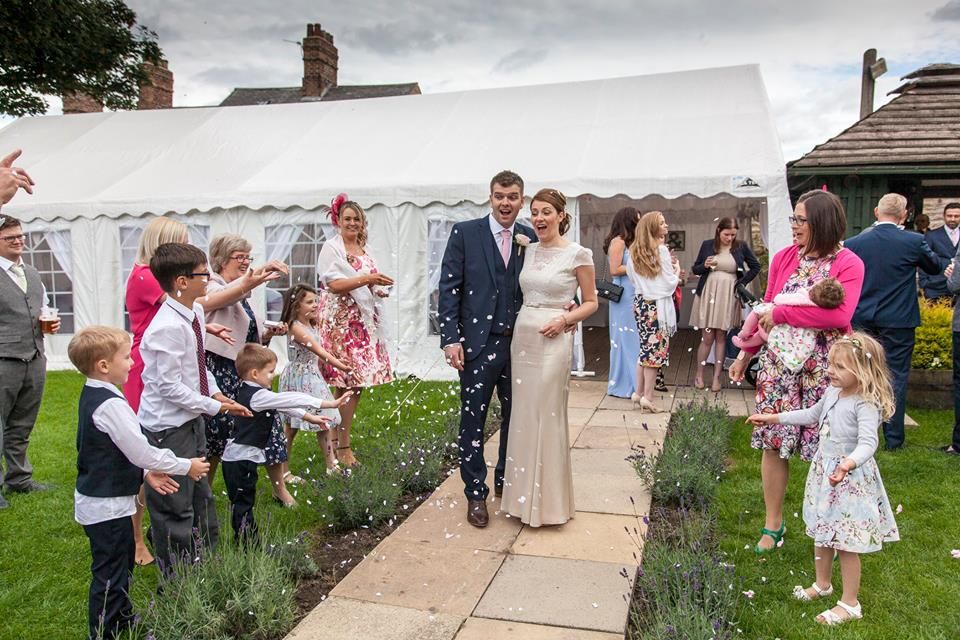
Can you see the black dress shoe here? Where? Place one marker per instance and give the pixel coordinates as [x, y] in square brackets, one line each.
[3, 503]
[29, 486]
[498, 491]
[477, 513]
[950, 450]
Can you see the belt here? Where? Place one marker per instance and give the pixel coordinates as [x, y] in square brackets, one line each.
[36, 354]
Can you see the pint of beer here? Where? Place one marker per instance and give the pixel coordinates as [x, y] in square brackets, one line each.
[48, 319]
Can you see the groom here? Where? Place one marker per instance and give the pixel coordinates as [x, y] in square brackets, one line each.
[479, 302]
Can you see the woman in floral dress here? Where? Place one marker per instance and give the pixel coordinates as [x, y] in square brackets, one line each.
[819, 224]
[351, 314]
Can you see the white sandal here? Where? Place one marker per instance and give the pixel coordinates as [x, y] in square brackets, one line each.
[289, 478]
[801, 594]
[829, 618]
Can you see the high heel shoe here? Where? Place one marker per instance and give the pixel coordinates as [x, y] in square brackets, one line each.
[776, 536]
[698, 384]
[643, 404]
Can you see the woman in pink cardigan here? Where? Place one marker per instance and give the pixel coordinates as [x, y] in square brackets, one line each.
[819, 224]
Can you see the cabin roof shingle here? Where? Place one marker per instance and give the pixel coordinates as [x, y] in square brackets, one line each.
[920, 126]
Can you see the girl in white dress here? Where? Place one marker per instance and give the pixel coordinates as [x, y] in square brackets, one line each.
[538, 482]
[845, 507]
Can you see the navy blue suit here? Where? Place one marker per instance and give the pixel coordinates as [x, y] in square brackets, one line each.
[888, 308]
[479, 301]
[935, 286]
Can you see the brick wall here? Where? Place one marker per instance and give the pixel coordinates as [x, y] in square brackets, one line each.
[157, 93]
[320, 61]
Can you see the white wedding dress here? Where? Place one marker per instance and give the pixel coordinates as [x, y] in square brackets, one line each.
[538, 482]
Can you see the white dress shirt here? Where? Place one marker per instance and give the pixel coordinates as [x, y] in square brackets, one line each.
[171, 375]
[6, 266]
[291, 403]
[496, 228]
[116, 419]
[953, 234]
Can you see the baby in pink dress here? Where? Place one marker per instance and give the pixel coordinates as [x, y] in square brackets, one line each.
[792, 345]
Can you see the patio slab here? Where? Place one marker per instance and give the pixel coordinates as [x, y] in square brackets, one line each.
[633, 419]
[588, 536]
[437, 525]
[346, 619]
[605, 461]
[559, 592]
[421, 576]
[486, 629]
[617, 438]
[605, 493]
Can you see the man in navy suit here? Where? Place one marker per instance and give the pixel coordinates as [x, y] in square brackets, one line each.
[888, 308]
[479, 301]
[943, 241]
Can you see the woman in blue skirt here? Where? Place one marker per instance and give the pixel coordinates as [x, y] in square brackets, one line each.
[624, 341]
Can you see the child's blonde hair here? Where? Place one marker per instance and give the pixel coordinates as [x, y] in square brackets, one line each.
[253, 356]
[866, 359]
[92, 344]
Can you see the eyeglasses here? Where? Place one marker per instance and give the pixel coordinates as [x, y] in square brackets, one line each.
[13, 239]
[795, 221]
[242, 258]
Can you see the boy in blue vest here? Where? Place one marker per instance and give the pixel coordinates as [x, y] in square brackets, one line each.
[112, 454]
[257, 367]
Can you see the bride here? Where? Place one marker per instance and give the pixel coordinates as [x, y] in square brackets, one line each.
[538, 483]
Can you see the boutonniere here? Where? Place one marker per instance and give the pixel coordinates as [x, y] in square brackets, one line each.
[521, 241]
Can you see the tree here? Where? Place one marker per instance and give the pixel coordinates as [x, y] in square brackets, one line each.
[58, 47]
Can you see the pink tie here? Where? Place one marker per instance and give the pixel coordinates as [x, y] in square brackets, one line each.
[505, 246]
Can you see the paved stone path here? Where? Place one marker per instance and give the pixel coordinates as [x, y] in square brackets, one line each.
[438, 578]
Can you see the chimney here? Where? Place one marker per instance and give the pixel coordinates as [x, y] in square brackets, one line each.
[320, 59]
[157, 91]
[80, 103]
[872, 69]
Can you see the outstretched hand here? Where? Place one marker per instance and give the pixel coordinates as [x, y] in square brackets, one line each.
[162, 483]
[13, 178]
[760, 419]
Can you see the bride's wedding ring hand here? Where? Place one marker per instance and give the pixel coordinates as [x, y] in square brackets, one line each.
[555, 327]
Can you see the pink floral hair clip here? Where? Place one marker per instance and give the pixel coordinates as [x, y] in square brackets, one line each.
[335, 205]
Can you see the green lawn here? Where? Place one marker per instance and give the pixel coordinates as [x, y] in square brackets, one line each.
[909, 590]
[44, 555]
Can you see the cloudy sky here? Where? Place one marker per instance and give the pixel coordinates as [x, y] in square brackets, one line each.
[809, 52]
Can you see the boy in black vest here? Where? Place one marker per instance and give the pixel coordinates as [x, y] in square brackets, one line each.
[112, 454]
[257, 367]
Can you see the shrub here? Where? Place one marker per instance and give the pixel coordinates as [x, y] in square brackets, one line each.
[934, 336]
[365, 495]
[420, 462]
[240, 591]
[691, 460]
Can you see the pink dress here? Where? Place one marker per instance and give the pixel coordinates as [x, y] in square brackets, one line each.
[344, 335]
[143, 300]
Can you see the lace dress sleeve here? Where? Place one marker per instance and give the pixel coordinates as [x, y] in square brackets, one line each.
[582, 258]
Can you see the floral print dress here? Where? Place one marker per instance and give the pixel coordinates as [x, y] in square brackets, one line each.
[654, 344]
[780, 390]
[345, 336]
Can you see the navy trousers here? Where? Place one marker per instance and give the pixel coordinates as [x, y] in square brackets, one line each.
[488, 371]
[109, 610]
[898, 345]
[241, 480]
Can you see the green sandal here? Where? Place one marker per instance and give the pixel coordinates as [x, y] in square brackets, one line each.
[777, 537]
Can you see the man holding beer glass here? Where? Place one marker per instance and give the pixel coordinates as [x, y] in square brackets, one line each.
[22, 361]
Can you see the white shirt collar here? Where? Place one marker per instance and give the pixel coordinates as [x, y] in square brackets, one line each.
[880, 222]
[5, 264]
[496, 227]
[253, 384]
[182, 309]
[102, 384]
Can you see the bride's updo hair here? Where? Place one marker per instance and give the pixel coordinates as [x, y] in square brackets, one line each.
[559, 202]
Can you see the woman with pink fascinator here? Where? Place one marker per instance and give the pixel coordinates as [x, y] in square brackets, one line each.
[351, 314]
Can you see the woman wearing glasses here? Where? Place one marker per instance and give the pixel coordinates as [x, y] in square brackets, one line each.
[227, 303]
[819, 224]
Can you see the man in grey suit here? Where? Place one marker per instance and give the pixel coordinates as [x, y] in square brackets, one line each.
[22, 361]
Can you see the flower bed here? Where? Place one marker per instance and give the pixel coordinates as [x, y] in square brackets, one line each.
[684, 589]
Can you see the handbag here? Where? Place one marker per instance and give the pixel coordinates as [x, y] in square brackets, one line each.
[608, 289]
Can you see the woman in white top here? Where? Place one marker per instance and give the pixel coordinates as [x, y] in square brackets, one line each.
[655, 275]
